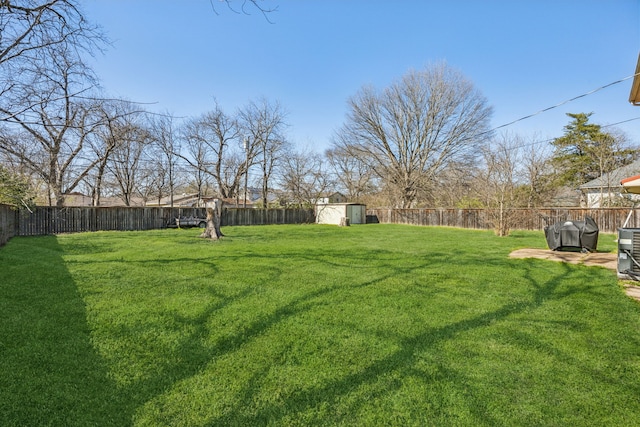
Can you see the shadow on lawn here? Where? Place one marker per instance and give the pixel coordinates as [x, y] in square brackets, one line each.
[51, 374]
[55, 377]
[404, 360]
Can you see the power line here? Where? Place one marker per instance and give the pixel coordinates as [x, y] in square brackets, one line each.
[531, 144]
[591, 92]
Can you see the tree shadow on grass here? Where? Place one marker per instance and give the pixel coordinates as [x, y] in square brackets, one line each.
[78, 383]
[51, 374]
[404, 361]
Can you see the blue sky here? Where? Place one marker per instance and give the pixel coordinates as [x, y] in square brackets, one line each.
[524, 56]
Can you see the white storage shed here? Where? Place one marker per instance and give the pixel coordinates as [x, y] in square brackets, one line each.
[332, 213]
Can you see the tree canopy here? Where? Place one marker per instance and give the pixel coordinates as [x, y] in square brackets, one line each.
[410, 131]
[585, 152]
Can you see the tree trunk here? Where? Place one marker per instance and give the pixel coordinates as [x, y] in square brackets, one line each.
[214, 212]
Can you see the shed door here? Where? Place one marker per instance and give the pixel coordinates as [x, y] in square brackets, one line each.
[355, 214]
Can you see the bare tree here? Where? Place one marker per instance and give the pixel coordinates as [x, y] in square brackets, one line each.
[198, 158]
[112, 117]
[536, 174]
[46, 89]
[303, 178]
[55, 126]
[499, 183]
[354, 176]
[263, 122]
[32, 34]
[408, 132]
[165, 138]
[219, 135]
[157, 176]
[127, 163]
[243, 6]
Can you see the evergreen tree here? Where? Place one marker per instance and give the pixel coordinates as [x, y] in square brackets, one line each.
[585, 152]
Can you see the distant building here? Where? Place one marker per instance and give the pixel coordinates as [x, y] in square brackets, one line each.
[606, 189]
[328, 198]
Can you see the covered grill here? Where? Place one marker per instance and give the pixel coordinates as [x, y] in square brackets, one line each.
[571, 235]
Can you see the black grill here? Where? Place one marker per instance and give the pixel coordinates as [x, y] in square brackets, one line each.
[572, 235]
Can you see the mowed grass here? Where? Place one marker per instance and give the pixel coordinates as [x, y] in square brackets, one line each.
[311, 325]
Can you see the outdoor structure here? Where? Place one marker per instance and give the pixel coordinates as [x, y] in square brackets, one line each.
[77, 199]
[192, 200]
[629, 238]
[329, 198]
[634, 96]
[607, 190]
[334, 213]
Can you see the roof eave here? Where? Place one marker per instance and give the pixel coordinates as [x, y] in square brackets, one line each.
[634, 96]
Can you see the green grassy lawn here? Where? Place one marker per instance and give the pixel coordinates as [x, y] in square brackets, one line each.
[311, 325]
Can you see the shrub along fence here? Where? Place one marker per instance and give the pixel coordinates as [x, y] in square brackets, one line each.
[608, 219]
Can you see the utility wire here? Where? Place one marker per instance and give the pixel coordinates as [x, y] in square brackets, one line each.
[543, 141]
[591, 92]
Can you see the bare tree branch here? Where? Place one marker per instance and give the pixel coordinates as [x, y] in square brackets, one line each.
[410, 131]
[246, 5]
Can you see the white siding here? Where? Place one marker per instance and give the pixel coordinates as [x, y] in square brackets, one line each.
[332, 213]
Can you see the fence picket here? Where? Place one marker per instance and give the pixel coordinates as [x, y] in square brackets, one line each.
[608, 219]
[53, 220]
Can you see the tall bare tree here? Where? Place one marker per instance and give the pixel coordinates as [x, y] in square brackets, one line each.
[354, 176]
[535, 172]
[56, 124]
[112, 117]
[220, 136]
[165, 138]
[263, 123]
[501, 183]
[198, 157]
[409, 131]
[128, 164]
[303, 178]
[32, 34]
[45, 88]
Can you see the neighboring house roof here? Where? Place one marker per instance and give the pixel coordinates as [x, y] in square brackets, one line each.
[612, 179]
[634, 96]
[335, 197]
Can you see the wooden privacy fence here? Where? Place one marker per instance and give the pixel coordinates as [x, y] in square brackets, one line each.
[7, 223]
[250, 216]
[53, 220]
[608, 219]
